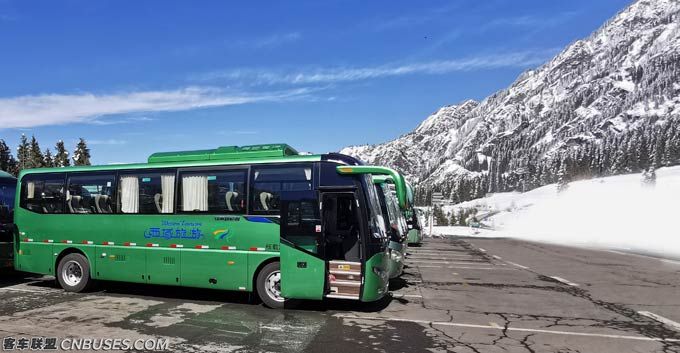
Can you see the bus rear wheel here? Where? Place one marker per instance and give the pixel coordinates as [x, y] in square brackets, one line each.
[269, 286]
[73, 273]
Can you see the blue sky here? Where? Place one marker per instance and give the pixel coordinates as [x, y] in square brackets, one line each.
[136, 77]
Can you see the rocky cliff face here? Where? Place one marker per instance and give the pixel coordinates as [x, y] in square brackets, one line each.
[607, 104]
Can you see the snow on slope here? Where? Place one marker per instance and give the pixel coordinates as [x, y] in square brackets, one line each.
[596, 93]
[434, 141]
[612, 212]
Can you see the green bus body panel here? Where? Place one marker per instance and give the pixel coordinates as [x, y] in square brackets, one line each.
[35, 258]
[303, 276]
[148, 256]
[414, 236]
[163, 266]
[118, 263]
[375, 284]
[215, 269]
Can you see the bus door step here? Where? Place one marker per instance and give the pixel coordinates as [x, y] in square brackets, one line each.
[344, 279]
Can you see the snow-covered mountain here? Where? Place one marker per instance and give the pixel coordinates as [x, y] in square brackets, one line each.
[607, 104]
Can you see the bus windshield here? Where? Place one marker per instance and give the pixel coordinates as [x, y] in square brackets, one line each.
[7, 191]
[377, 222]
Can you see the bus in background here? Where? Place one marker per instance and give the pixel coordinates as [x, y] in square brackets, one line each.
[394, 222]
[415, 229]
[259, 218]
[8, 185]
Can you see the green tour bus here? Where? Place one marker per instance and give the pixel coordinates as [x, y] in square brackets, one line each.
[415, 229]
[8, 185]
[260, 218]
[394, 223]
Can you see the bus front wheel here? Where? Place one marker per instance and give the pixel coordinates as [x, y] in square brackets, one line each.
[269, 286]
[73, 273]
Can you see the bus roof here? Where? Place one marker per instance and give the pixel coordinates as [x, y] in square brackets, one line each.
[255, 154]
[226, 153]
[5, 175]
[394, 176]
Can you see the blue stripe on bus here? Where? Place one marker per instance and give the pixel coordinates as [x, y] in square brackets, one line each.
[258, 219]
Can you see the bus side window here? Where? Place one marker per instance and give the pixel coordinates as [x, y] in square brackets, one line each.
[90, 193]
[146, 192]
[267, 184]
[42, 193]
[219, 191]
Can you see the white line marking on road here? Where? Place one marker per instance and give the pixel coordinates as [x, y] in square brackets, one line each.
[467, 267]
[517, 329]
[517, 265]
[457, 262]
[567, 282]
[674, 262]
[22, 290]
[668, 322]
[442, 256]
[399, 295]
[497, 257]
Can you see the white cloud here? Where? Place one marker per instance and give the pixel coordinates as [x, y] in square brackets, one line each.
[345, 74]
[107, 142]
[54, 109]
[533, 21]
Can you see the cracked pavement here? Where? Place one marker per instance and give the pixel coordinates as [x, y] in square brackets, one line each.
[456, 295]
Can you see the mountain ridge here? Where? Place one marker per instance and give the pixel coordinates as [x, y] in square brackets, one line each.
[583, 113]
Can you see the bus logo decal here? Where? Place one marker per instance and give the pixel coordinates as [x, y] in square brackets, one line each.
[220, 234]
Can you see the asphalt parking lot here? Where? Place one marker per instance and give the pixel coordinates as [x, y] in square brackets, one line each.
[457, 294]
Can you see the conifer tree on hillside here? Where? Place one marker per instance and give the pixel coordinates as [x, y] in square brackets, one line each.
[37, 159]
[562, 177]
[61, 157]
[452, 219]
[49, 160]
[81, 156]
[7, 161]
[23, 154]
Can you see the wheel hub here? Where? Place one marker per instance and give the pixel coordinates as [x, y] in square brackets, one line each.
[72, 273]
[273, 286]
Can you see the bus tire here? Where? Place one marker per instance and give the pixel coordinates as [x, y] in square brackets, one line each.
[269, 286]
[73, 273]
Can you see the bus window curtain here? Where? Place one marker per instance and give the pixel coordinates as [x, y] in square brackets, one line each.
[195, 193]
[129, 194]
[168, 190]
[30, 190]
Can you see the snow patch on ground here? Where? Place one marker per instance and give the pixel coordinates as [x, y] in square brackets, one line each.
[616, 212]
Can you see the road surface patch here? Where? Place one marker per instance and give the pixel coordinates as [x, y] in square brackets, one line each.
[668, 322]
[494, 326]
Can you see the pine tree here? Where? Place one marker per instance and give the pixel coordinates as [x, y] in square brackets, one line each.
[81, 156]
[49, 160]
[452, 219]
[23, 154]
[37, 159]
[439, 216]
[649, 177]
[563, 177]
[61, 157]
[7, 161]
